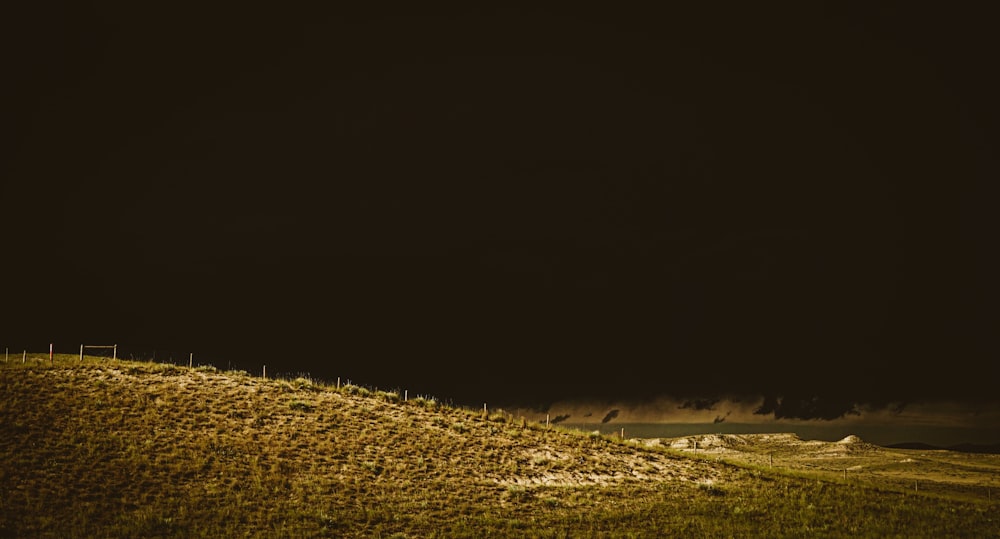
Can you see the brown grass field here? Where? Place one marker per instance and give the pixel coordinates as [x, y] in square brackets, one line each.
[104, 448]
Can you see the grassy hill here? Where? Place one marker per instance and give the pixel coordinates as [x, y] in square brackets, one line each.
[104, 448]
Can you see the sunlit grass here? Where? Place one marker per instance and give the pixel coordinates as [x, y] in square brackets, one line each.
[132, 449]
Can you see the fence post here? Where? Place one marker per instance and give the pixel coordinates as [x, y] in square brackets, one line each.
[51, 360]
[406, 395]
[265, 373]
[191, 360]
[546, 420]
[114, 354]
[81, 352]
[24, 356]
[623, 433]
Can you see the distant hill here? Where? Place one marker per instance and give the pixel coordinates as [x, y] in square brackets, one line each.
[976, 448]
[963, 448]
[99, 448]
[914, 445]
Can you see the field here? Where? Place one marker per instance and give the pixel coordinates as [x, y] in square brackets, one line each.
[103, 448]
[949, 474]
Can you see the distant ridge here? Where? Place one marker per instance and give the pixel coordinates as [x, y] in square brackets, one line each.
[963, 448]
[976, 448]
[915, 445]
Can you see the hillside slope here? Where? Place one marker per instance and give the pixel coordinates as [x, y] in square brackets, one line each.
[128, 449]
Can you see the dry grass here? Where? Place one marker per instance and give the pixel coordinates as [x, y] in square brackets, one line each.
[130, 449]
[948, 474]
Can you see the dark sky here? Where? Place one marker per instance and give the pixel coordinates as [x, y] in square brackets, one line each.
[514, 205]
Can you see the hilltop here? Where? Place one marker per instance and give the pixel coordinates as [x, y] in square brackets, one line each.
[128, 449]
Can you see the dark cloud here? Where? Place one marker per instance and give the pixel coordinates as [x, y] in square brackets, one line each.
[811, 407]
[610, 415]
[699, 404]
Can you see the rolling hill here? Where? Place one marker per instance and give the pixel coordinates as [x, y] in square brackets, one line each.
[103, 448]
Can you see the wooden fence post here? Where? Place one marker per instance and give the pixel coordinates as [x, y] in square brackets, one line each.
[191, 360]
[114, 353]
[81, 352]
[265, 373]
